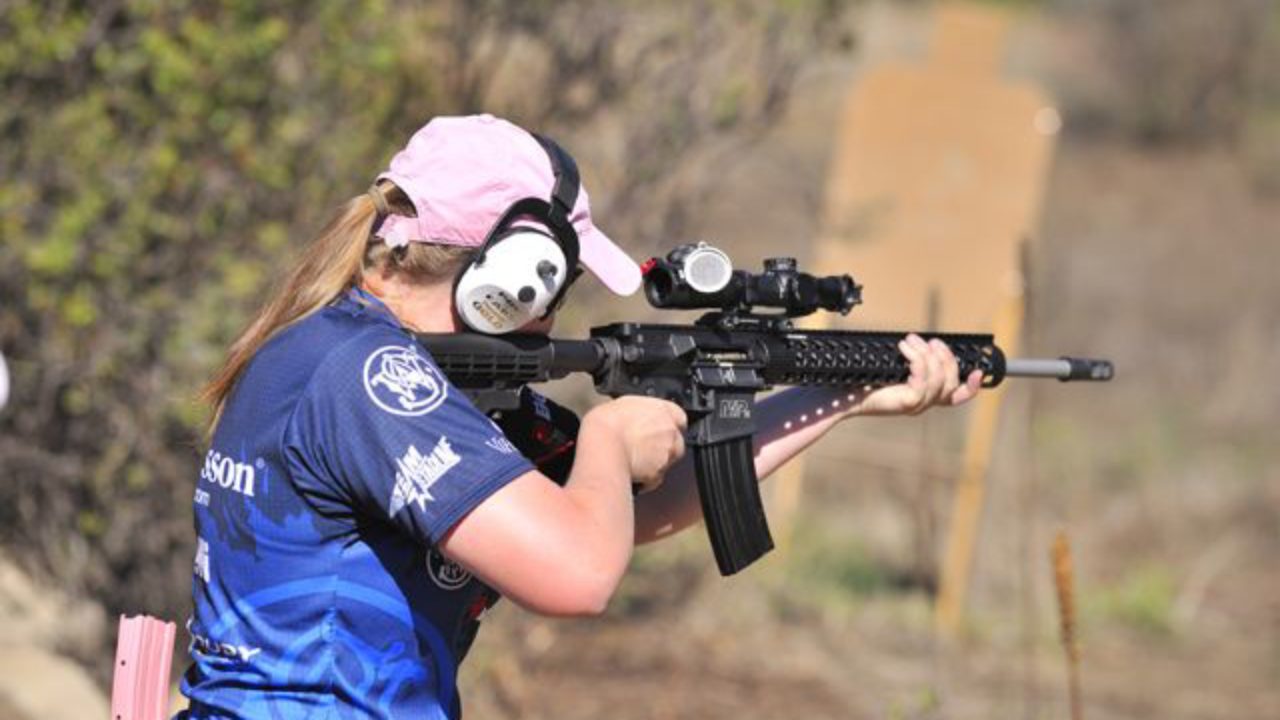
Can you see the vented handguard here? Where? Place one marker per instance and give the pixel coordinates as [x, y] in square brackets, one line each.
[847, 359]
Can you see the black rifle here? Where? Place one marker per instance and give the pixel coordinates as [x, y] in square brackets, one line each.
[714, 368]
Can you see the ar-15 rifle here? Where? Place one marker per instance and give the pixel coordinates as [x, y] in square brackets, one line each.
[714, 368]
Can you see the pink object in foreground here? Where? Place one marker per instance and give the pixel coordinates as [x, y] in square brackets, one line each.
[144, 654]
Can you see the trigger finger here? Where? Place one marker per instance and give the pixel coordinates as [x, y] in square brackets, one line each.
[679, 416]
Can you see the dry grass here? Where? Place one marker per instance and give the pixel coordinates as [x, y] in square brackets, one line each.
[1065, 585]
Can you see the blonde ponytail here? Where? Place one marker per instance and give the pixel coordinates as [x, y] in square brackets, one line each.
[335, 261]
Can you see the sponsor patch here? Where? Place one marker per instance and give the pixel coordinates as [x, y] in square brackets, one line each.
[445, 573]
[540, 405]
[402, 382]
[416, 473]
[501, 444]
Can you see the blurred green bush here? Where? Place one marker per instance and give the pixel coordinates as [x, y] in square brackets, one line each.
[161, 158]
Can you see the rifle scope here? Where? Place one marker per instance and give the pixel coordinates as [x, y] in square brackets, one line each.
[699, 276]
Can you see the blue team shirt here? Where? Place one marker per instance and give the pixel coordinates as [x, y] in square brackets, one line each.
[341, 458]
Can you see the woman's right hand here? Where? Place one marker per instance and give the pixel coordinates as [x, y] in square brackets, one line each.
[561, 550]
[651, 432]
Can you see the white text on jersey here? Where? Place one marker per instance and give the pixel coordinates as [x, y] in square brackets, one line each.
[223, 471]
[416, 473]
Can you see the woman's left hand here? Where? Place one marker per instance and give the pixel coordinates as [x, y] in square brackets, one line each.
[935, 380]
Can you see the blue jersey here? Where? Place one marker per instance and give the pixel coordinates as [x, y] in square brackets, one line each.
[341, 459]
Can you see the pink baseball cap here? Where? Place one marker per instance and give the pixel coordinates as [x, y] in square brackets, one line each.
[462, 173]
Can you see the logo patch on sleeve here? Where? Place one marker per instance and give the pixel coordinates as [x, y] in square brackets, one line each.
[417, 473]
[500, 443]
[402, 382]
[445, 573]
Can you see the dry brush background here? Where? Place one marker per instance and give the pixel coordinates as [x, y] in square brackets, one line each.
[160, 159]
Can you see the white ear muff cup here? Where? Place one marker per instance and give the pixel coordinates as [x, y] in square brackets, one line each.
[513, 285]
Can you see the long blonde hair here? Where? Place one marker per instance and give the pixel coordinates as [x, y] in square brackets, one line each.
[335, 261]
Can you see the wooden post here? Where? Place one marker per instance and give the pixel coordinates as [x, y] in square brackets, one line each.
[971, 487]
[923, 505]
[788, 488]
[936, 178]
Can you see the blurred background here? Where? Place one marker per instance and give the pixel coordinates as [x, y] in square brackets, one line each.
[161, 161]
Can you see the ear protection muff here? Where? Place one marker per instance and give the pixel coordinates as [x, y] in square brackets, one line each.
[521, 271]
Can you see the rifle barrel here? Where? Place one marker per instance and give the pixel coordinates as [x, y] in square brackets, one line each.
[1065, 369]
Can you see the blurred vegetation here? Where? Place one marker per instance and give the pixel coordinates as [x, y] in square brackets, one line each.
[162, 158]
[1142, 601]
[1183, 72]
